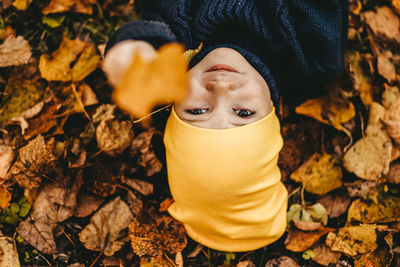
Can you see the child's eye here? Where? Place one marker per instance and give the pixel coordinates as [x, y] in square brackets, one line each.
[196, 111]
[244, 113]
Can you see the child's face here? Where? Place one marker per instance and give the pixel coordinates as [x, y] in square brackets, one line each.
[225, 92]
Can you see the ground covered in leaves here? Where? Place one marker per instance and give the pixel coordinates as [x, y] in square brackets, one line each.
[83, 184]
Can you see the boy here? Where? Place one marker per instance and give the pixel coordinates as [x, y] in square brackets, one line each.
[222, 142]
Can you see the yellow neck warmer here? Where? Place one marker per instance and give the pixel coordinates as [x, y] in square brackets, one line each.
[226, 183]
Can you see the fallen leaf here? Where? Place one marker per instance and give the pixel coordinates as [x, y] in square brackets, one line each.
[307, 226]
[147, 158]
[8, 252]
[103, 113]
[34, 162]
[147, 84]
[21, 4]
[391, 120]
[390, 95]
[142, 187]
[7, 155]
[385, 211]
[396, 5]
[325, 110]
[14, 51]
[299, 241]
[38, 232]
[384, 24]
[45, 120]
[87, 204]
[57, 67]
[105, 232]
[386, 67]
[324, 255]
[319, 174]
[395, 153]
[353, 240]
[79, 6]
[394, 173]
[102, 176]
[361, 188]
[165, 204]
[380, 257]
[135, 204]
[283, 261]
[5, 197]
[336, 202]
[88, 96]
[29, 113]
[362, 81]
[151, 239]
[113, 136]
[369, 157]
[23, 91]
[247, 263]
[4, 4]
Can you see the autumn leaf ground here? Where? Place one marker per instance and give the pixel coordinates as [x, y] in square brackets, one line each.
[79, 160]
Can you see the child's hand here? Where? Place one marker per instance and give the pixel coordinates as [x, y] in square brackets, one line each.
[121, 55]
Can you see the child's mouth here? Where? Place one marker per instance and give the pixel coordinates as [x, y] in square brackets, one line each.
[221, 67]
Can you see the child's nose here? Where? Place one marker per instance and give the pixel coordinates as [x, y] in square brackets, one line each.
[220, 86]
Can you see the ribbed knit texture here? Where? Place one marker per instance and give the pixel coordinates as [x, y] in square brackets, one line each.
[296, 45]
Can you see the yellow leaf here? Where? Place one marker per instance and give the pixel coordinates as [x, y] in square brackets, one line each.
[147, 84]
[319, 174]
[385, 211]
[21, 4]
[5, 197]
[57, 67]
[326, 111]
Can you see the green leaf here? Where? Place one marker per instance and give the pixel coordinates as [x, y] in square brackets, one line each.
[318, 213]
[14, 207]
[229, 256]
[19, 239]
[294, 213]
[11, 219]
[23, 199]
[53, 21]
[308, 254]
[25, 208]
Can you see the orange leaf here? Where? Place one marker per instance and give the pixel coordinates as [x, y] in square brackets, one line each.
[147, 84]
[5, 197]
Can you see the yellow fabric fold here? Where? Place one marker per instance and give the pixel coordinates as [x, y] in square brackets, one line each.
[226, 183]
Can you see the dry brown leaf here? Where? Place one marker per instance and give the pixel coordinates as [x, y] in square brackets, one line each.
[319, 174]
[283, 261]
[147, 158]
[5, 197]
[386, 67]
[324, 255]
[7, 155]
[58, 201]
[298, 241]
[33, 163]
[151, 239]
[326, 111]
[147, 84]
[14, 51]
[165, 204]
[113, 136]
[247, 263]
[135, 204]
[335, 202]
[390, 95]
[38, 232]
[362, 81]
[392, 120]
[385, 211]
[394, 173]
[307, 226]
[143, 187]
[361, 188]
[369, 157]
[105, 232]
[395, 153]
[87, 204]
[88, 96]
[8, 252]
[353, 240]
[45, 120]
[384, 24]
[103, 112]
[79, 6]
[57, 67]
[21, 4]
